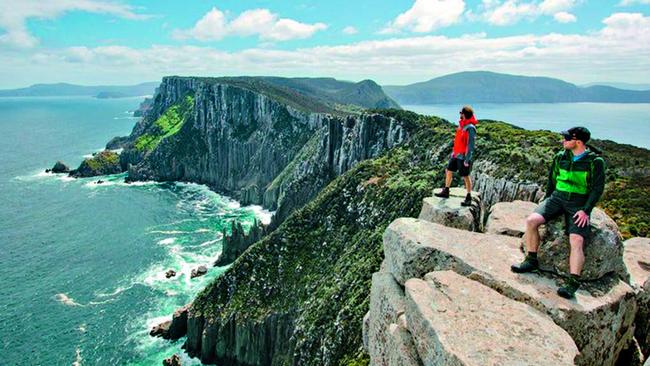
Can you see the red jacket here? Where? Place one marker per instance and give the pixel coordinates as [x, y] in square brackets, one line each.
[462, 136]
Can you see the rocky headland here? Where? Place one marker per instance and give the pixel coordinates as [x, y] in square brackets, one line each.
[340, 179]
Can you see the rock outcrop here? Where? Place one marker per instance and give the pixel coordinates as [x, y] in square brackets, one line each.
[161, 330]
[59, 167]
[102, 163]
[174, 360]
[199, 271]
[637, 261]
[599, 320]
[235, 243]
[449, 212]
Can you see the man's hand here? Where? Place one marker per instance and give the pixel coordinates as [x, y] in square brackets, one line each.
[466, 163]
[581, 218]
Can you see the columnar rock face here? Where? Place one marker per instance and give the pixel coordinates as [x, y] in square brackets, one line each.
[254, 145]
[495, 190]
[509, 218]
[238, 241]
[603, 250]
[449, 212]
[239, 341]
[600, 319]
[457, 321]
[637, 262]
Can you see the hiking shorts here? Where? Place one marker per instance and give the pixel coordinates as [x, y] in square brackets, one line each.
[557, 205]
[458, 165]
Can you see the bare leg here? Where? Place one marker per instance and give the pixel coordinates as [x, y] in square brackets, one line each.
[468, 184]
[448, 176]
[577, 257]
[531, 237]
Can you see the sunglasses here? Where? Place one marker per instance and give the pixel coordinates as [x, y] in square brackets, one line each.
[568, 137]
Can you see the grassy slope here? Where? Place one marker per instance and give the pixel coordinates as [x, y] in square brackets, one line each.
[318, 264]
[168, 124]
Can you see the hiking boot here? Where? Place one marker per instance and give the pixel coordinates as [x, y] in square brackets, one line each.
[467, 201]
[528, 265]
[444, 193]
[571, 285]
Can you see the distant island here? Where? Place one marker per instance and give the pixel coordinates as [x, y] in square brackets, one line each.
[490, 87]
[65, 89]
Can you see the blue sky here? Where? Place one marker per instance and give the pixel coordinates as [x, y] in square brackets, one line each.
[392, 42]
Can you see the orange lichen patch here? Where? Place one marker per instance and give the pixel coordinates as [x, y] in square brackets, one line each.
[374, 180]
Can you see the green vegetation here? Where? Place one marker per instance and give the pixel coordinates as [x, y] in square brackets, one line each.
[168, 124]
[102, 159]
[317, 265]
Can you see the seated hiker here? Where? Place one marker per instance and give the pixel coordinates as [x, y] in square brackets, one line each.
[461, 156]
[575, 183]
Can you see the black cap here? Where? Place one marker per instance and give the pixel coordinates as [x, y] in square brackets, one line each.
[578, 133]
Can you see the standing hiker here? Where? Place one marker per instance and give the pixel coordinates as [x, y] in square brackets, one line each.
[461, 156]
[575, 183]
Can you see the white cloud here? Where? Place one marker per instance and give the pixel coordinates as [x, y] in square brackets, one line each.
[564, 17]
[14, 14]
[509, 12]
[620, 49]
[633, 2]
[214, 26]
[427, 15]
[350, 30]
[556, 6]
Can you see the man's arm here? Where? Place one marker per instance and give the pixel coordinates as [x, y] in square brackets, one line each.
[597, 179]
[471, 131]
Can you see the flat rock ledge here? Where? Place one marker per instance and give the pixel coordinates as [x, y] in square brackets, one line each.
[449, 212]
[457, 321]
[600, 319]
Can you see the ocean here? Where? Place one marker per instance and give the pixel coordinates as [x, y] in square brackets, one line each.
[620, 122]
[83, 264]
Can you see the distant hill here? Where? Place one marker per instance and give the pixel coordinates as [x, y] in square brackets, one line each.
[626, 86]
[64, 89]
[490, 87]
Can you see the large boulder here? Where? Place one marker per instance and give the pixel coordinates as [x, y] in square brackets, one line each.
[603, 251]
[600, 319]
[509, 218]
[457, 321]
[449, 212]
[102, 163]
[637, 261]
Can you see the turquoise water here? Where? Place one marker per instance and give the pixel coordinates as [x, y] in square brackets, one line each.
[83, 264]
[623, 123]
